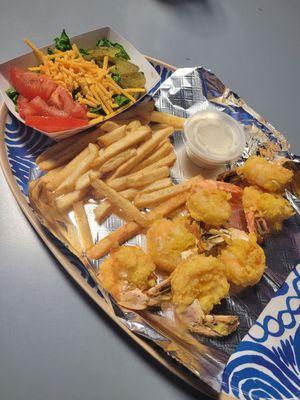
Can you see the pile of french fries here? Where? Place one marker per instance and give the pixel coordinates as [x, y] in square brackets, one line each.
[124, 166]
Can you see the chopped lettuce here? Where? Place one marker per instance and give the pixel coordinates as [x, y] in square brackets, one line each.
[63, 42]
[116, 77]
[74, 92]
[122, 53]
[12, 94]
[104, 43]
[121, 100]
[99, 110]
[83, 52]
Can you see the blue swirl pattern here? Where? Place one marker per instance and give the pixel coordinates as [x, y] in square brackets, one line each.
[266, 364]
[23, 145]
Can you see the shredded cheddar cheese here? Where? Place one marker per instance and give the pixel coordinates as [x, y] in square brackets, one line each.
[105, 63]
[94, 85]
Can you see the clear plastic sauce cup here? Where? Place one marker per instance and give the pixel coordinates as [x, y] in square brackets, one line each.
[213, 138]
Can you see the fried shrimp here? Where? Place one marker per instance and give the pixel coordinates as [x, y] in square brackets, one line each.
[210, 206]
[166, 241]
[199, 278]
[266, 174]
[273, 208]
[244, 261]
[126, 269]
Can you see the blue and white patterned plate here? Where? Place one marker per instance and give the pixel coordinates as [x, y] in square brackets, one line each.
[265, 365]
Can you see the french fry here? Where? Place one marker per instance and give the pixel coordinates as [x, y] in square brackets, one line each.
[139, 179]
[97, 161]
[168, 161]
[104, 209]
[160, 184]
[117, 200]
[140, 134]
[118, 184]
[143, 150]
[42, 200]
[133, 125]
[120, 159]
[83, 226]
[164, 118]
[58, 178]
[66, 150]
[164, 142]
[130, 229]
[48, 177]
[63, 203]
[153, 198]
[156, 127]
[129, 194]
[112, 136]
[80, 169]
[160, 153]
[109, 126]
[143, 178]
[83, 181]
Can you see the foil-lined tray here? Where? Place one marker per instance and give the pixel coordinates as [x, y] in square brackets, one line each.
[186, 91]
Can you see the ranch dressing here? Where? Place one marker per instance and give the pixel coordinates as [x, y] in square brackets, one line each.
[213, 138]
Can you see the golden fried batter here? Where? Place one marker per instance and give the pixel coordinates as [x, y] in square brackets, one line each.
[199, 278]
[166, 240]
[244, 261]
[126, 268]
[210, 206]
[266, 174]
[272, 207]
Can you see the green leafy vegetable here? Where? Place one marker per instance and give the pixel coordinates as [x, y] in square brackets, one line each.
[83, 52]
[74, 92]
[50, 51]
[12, 94]
[121, 100]
[116, 77]
[98, 110]
[122, 53]
[103, 42]
[63, 42]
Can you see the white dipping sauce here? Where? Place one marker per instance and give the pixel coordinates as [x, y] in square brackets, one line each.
[213, 138]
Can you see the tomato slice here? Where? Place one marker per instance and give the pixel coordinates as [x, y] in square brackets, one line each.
[54, 124]
[25, 109]
[32, 84]
[43, 109]
[41, 96]
[63, 100]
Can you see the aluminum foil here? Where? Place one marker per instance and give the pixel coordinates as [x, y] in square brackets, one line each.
[189, 90]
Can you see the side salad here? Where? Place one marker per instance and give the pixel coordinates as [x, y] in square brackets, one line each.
[72, 87]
